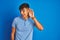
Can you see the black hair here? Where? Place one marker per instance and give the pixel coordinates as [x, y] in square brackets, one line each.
[24, 5]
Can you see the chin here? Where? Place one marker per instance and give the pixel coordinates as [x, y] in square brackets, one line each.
[24, 16]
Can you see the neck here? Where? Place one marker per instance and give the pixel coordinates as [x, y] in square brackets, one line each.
[25, 18]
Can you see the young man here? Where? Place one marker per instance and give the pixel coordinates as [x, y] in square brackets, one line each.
[22, 26]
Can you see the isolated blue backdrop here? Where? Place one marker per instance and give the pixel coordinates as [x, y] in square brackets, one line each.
[46, 12]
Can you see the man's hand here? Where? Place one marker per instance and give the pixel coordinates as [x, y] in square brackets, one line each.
[31, 13]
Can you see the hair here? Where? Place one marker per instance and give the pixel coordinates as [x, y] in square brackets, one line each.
[24, 5]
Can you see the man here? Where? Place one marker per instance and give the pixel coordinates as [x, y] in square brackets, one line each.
[22, 26]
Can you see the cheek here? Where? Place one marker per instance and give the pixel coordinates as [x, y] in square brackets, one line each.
[24, 12]
[21, 12]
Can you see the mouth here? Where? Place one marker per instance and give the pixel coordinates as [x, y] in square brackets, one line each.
[24, 15]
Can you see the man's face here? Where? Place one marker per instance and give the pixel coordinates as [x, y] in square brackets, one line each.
[24, 12]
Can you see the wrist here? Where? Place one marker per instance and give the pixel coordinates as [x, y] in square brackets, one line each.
[33, 18]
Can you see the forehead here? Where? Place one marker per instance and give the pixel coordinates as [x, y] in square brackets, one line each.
[25, 9]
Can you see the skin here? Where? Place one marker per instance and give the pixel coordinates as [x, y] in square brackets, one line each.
[26, 13]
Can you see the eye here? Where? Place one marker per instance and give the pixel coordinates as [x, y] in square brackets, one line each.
[23, 10]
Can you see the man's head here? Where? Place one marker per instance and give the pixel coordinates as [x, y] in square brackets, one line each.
[24, 9]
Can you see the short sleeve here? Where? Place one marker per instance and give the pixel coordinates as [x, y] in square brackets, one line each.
[33, 23]
[14, 23]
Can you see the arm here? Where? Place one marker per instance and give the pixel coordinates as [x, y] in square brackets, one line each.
[13, 33]
[38, 25]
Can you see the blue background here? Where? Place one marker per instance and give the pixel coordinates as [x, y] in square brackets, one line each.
[46, 11]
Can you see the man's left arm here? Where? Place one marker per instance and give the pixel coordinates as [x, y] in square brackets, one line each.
[38, 25]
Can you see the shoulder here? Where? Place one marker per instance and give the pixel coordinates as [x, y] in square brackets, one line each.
[31, 20]
[16, 18]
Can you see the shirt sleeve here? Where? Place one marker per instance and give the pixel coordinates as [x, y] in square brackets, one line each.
[14, 23]
[33, 22]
